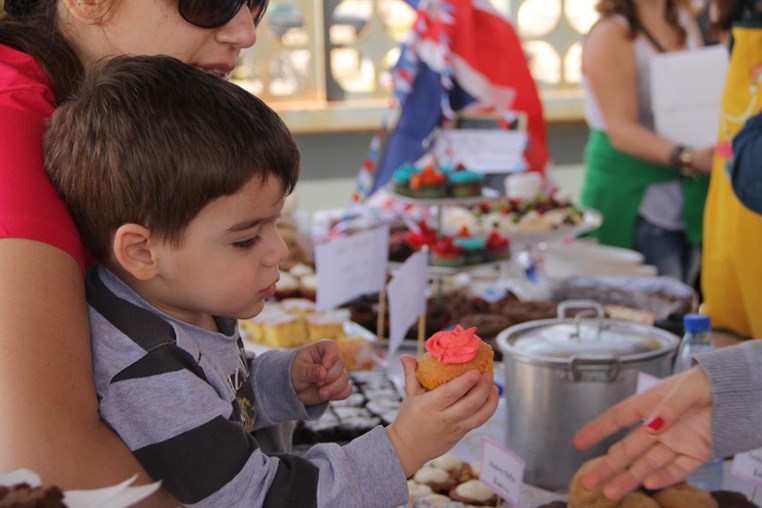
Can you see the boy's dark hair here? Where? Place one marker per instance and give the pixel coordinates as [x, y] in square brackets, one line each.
[150, 140]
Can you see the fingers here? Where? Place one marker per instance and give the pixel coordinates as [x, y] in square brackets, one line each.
[338, 389]
[655, 458]
[690, 390]
[473, 408]
[451, 393]
[678, 470]
[412, 386]
[622, 415]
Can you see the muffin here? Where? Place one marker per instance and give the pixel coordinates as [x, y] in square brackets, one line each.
[683, 495]
[286, 287]
[416, 491]
[452, 353]
[465, 183]
[580, 497]
[437, 478]
[430, 183]
[473, 493]
[637, 500]
[459, 469]
[444, 253]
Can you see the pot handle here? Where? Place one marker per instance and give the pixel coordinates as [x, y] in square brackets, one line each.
[579, 361]
[580, 304]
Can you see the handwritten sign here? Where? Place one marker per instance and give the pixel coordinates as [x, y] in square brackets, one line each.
[483, 150]
[351, 266]
[407, 297]
[748, 466]
[502, 471]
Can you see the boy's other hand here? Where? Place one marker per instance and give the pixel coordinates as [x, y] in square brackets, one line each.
[430, 423]
[318, 374]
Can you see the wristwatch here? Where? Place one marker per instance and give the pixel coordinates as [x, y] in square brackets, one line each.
[681, 160]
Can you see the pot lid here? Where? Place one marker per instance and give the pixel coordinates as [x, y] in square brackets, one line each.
[563, 339]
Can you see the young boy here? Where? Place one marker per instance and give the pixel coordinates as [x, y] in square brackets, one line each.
[176, 180]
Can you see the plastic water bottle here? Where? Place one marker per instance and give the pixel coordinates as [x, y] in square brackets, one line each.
[697, 339]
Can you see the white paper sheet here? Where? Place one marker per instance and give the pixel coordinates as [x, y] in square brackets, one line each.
[351, 266]
[483, 150]
[686, 91]
[407, 297]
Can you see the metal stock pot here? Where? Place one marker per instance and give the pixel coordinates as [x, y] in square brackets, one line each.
[562, 372]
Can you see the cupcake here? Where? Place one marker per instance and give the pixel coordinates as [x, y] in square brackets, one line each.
[425, 236]
[437, 478]
[473, 493]
[401, 179]
[473, 245]
[455, 218]
[497, 247]
[416, 491]
[444, 253]
[428, 184]
[459, 469]
[450, 354]
[464, 183]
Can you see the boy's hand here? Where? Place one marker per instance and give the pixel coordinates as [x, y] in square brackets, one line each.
[430, 423]
[318, 373]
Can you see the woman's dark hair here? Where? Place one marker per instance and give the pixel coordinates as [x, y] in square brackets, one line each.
[726, 12]
[628, 9]
[30, 26]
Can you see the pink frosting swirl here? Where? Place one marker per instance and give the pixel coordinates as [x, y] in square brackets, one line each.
[454, 346]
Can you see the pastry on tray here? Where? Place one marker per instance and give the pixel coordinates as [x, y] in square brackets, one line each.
[451, 353]
[23, 495]
[580, 497]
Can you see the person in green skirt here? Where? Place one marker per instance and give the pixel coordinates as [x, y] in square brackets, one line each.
[650, 190]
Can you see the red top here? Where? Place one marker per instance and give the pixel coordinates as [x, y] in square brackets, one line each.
[30, 208]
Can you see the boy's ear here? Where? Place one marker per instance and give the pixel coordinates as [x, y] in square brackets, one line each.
[135, 250]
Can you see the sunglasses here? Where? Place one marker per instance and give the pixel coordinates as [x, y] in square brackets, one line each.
[216, 13]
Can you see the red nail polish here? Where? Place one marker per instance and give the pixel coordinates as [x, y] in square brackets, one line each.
[654, 423]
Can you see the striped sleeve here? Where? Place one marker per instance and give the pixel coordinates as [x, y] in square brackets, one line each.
[178, 428]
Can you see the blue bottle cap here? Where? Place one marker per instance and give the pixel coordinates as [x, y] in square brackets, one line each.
[696, 323]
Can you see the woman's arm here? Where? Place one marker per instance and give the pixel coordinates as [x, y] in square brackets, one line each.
[49, 419]
[608, 62]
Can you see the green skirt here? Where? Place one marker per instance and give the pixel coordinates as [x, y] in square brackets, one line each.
[614, 184]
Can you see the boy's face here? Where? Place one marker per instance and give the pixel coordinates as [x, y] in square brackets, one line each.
[228, 262]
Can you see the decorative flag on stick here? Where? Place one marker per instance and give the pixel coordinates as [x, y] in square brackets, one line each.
[462, 56]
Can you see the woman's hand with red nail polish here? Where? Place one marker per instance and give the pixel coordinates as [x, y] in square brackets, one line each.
[673, 441]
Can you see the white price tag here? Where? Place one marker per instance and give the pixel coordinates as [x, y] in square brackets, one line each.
[502, 471]
[748, 466]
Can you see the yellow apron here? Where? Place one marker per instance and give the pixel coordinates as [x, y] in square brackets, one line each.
[732, 259]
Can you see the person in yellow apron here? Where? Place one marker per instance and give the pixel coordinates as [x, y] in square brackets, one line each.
[732, 258]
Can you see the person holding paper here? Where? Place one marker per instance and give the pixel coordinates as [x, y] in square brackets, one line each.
[713, 409]
[188, 244]
[650, 190]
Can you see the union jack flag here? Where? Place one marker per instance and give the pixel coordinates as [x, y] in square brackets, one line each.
[462, 56]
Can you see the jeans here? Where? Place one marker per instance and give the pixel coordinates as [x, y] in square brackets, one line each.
[669, 251]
